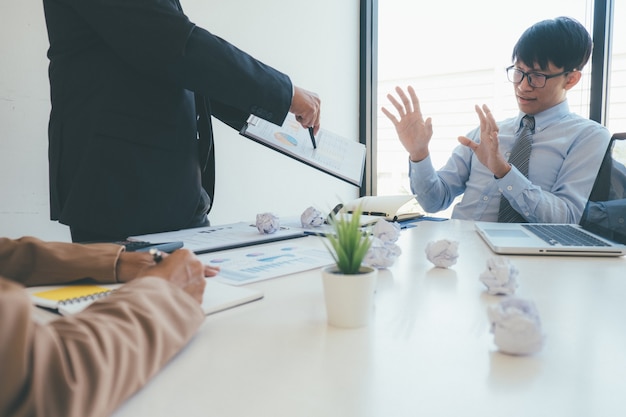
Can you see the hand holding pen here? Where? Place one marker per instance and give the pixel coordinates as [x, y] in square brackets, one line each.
[306, 106]
[182, 268]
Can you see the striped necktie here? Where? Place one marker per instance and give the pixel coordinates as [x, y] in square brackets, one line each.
[519, 157]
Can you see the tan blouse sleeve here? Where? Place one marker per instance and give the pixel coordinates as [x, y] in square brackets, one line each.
[89, 363]
[31, 261]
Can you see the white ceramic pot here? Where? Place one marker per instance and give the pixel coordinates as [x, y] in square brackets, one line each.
[349, 298]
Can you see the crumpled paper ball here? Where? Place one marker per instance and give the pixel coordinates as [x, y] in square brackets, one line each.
[267, 223]
[381, 254]
[442, 253]
[500, 278]
[311, 217]
[384, 251]
[386, 231]
[516, 326]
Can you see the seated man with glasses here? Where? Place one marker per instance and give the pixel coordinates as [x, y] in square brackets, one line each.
[538, 166]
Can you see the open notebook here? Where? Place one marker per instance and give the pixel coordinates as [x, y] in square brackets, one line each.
[393, 208]
[71, 299]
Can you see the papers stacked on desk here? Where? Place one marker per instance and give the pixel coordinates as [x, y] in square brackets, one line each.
[250, 262]
[215, 238]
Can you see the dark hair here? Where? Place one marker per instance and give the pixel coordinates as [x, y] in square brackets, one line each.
[563, 41]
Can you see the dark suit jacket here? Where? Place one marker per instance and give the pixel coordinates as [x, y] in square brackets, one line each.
[123, 146]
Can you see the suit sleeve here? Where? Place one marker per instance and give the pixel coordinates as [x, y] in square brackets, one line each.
[88, 364]
[31, 261]
[233, 80]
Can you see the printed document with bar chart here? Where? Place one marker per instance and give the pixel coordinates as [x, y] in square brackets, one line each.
[257, 263]
[335, 155]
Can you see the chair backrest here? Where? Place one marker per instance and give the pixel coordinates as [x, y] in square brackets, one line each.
[602, 186]
[606, 209]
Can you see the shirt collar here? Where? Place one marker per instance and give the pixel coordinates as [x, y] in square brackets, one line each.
[547, 117]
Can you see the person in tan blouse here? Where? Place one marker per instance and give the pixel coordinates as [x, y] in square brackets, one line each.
[89, 363]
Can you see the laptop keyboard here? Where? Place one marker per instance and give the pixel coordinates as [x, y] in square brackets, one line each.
[563, 234]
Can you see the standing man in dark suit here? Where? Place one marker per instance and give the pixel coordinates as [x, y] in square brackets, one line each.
[133, 85]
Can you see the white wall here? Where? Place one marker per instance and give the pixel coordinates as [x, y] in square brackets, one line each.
[315, 43]
[24, 109]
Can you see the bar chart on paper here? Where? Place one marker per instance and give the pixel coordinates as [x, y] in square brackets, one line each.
[244, 266]
[335, 155]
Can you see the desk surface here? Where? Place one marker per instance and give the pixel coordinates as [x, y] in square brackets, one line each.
[428, 352]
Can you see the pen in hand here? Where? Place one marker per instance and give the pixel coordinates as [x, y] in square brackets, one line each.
[312, 137]
[157, 255]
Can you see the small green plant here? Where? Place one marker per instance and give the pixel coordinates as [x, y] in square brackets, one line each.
[350, 243]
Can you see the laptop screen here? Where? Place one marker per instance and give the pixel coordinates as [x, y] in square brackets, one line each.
[605, 214]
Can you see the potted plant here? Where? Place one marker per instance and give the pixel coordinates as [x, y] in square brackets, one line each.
[348, 285]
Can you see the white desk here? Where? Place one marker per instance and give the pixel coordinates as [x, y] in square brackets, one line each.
[428, 352]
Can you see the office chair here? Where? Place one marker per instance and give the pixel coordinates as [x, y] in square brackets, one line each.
[602, 185]
[608, 190]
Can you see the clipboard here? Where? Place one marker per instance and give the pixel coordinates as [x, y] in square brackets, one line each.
[220, 237]
[334, 155]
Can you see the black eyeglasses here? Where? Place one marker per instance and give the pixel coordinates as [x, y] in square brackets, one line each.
[535, 79]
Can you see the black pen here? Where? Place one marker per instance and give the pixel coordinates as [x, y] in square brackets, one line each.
[312, 137]
[371, 213]
[157, 255]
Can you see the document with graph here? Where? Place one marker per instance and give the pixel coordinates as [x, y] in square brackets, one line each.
[247, 265]
[335, 155]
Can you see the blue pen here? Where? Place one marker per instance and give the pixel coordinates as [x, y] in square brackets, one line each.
[312, 137]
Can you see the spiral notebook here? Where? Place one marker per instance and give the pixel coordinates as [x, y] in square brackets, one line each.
[71, 299]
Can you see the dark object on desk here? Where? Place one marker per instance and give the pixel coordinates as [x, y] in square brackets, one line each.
[142, 246]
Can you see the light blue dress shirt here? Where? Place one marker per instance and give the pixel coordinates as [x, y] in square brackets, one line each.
[566, 155]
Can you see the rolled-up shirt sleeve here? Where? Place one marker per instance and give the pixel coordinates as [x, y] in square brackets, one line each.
[31, 261]
[89, 363]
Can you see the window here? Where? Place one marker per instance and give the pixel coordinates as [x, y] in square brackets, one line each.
[455, 53]
[616, 118]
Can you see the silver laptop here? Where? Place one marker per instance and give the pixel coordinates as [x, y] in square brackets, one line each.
[602, 232]
[547, 239]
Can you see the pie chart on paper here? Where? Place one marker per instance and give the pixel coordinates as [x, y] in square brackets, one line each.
[286, 139]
